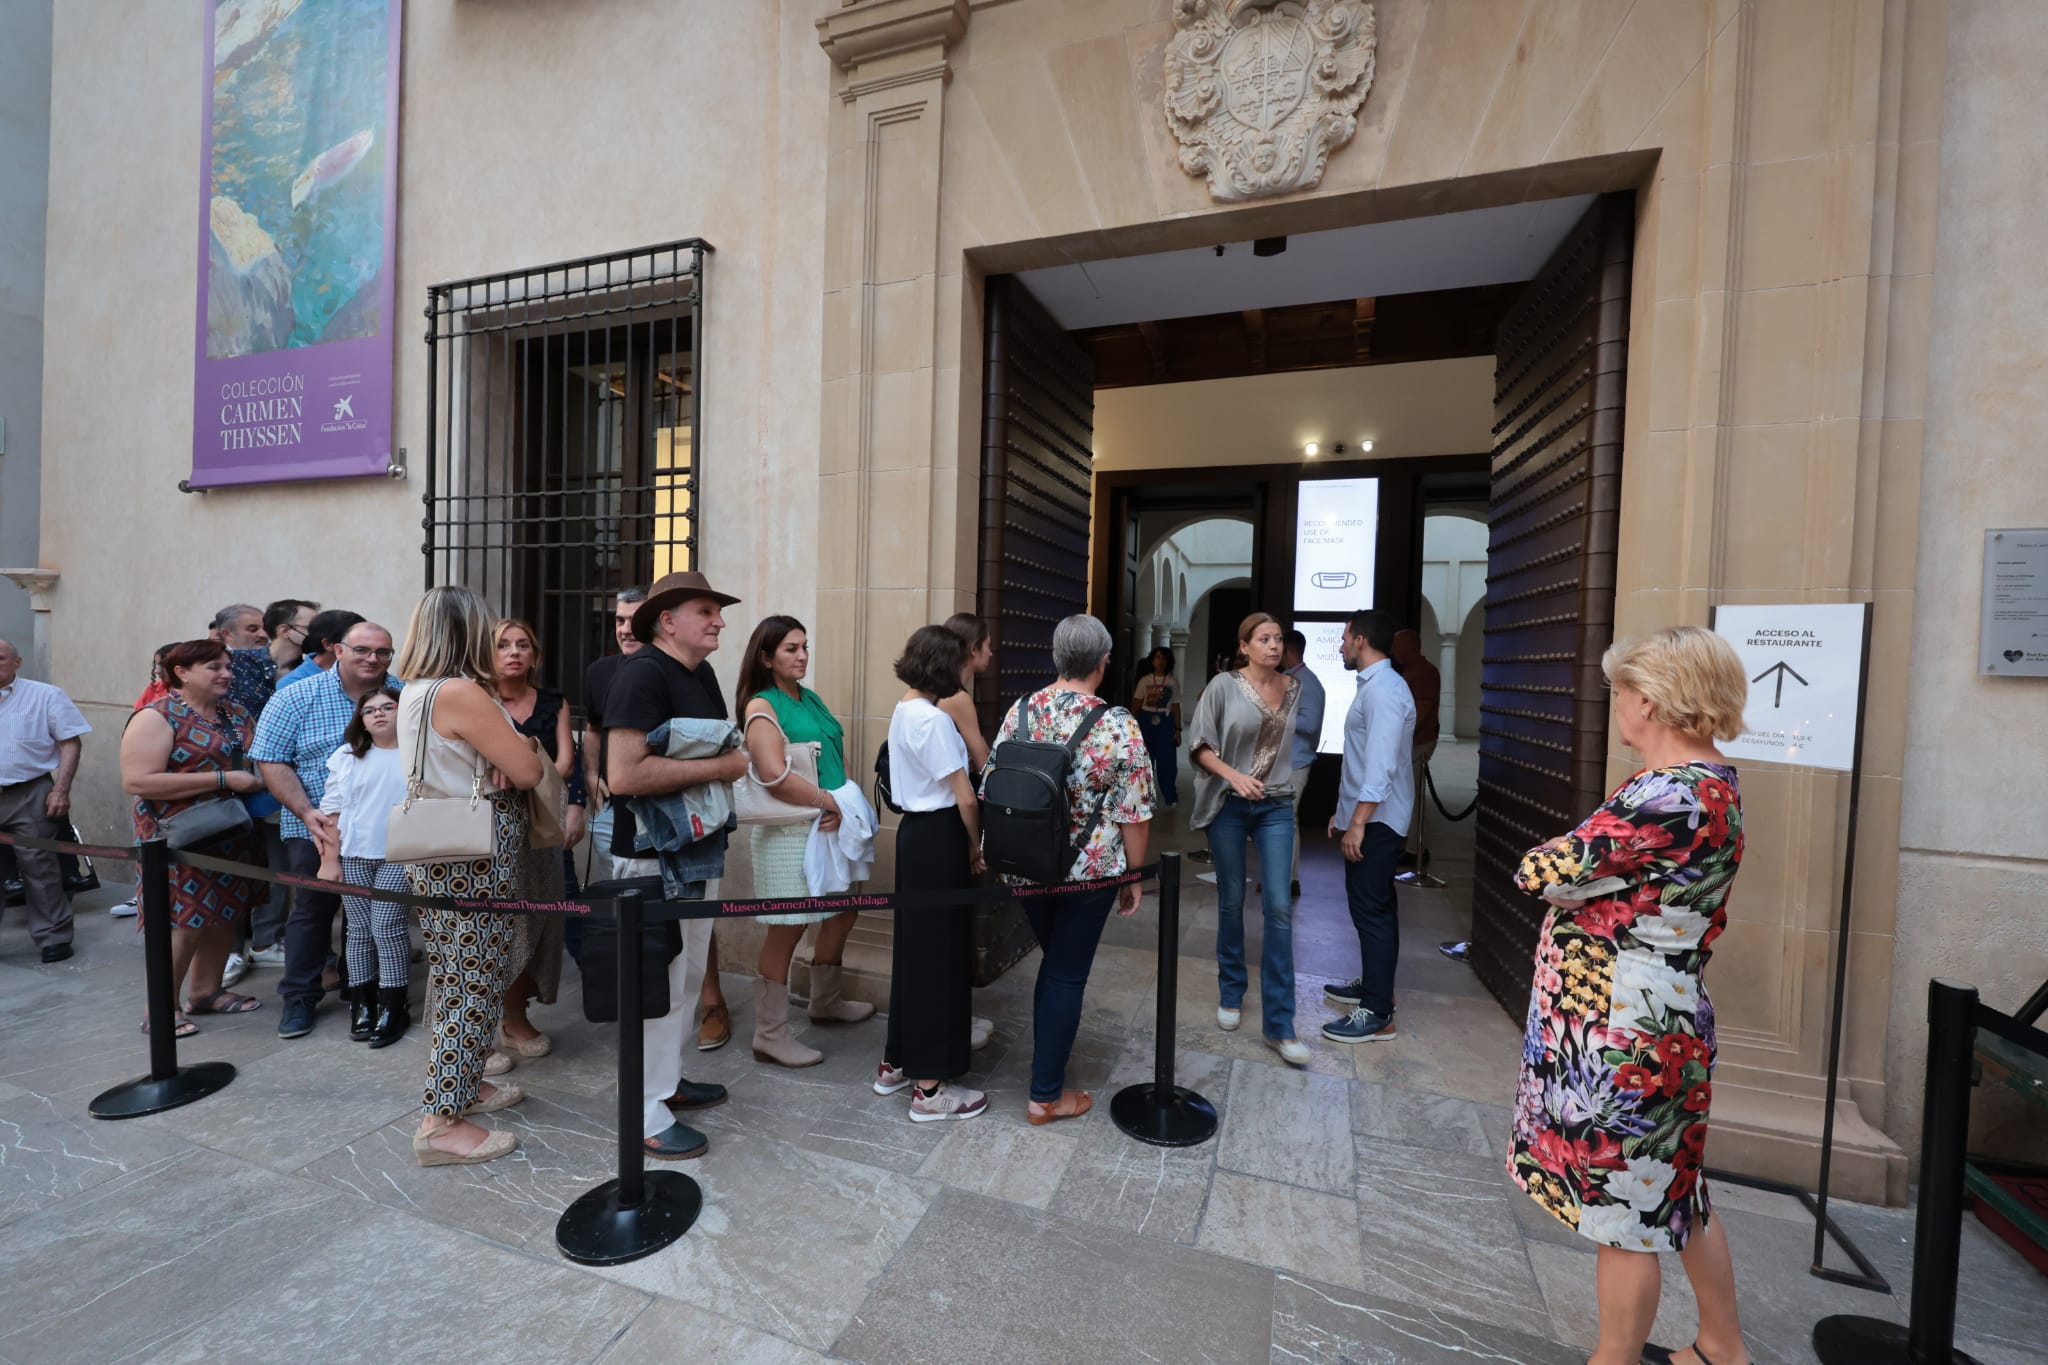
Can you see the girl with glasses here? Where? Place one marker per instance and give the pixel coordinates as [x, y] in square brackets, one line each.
[365, 779]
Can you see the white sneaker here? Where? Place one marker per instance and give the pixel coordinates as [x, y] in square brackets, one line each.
[889, 1079]
[273, 956]
[127, 909]
[979, 1031]
[1291, 1051]
[1228, 1020]
[237, 968]
[947, 1102]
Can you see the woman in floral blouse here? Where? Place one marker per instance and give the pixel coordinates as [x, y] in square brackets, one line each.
[1110, 784]
[1610, 1124]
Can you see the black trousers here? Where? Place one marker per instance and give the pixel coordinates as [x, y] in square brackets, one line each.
[930, 987]
[309, 934]
[1369, 892]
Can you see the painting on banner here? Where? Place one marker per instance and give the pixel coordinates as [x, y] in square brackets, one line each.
[298, 194]
[1804, 662]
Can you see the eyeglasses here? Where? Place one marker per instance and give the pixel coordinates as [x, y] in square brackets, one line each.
[388, 708]
[295, 629]
[367, 652]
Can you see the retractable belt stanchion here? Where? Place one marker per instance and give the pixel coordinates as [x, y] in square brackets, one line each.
[1929, 1336]
[642, 1211]
[167, 1085]
[1162, 1113]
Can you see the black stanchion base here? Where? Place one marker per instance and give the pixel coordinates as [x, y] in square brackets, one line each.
[1847, 1340]
[1181, 1118]
[1421, 880]
[596, 1231]
[133, 1099]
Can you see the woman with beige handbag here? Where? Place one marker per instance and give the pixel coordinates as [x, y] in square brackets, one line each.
[796, 779]
[461, 756]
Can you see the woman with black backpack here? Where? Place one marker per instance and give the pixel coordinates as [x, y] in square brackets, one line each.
[1100, 827]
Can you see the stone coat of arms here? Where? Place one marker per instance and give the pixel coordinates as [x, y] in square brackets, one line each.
[1259, 91]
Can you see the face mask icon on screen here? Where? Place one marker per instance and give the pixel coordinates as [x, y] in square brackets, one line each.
[1335, 580]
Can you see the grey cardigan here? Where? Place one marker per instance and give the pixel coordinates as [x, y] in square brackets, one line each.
[1227, 720]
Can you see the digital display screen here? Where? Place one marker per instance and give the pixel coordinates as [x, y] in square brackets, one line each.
[1336, 535]
[1324, 658]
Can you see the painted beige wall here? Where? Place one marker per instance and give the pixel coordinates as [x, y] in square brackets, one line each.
[1776, 366]
[529, 133]
[1433, 407]
[1973, 862]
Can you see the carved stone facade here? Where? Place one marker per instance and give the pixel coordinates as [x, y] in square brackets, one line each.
[1259, 92]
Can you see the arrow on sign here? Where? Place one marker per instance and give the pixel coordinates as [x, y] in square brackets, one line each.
[1781, 669]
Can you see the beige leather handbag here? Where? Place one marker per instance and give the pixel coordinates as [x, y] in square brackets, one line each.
[439, 829]
[753, 797]
[546, 804]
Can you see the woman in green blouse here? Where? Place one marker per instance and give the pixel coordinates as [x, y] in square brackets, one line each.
[776, 710]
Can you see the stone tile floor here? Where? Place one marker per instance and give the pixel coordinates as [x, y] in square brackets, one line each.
[1353, 1212]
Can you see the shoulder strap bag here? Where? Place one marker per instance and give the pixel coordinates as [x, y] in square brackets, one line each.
[754, 798]
[211, 820]
[435, 829]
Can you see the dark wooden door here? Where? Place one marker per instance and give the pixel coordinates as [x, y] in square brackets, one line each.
[1038, 415]
[1560, 369]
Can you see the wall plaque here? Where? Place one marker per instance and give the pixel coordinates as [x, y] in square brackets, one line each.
[2012, 638]
[1258, 92]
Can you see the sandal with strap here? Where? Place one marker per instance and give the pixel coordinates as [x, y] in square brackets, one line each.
[1664, 1355]
[185, 1028]
[224, 1002]
[1071, 1104]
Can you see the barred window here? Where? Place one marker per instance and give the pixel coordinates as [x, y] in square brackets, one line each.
[562, 413]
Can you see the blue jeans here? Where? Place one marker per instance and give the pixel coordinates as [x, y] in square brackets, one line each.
[1157, 727]
[1269, 825]
[1369, 890]
[1067, 928]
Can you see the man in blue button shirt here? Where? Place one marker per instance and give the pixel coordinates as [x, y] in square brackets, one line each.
[1375, 802]
[301, 727]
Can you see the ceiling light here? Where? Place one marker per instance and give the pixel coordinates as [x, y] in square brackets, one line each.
[1365, 446]
[1311, 450]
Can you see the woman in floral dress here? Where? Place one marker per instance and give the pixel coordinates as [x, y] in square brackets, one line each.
[1610, 1124]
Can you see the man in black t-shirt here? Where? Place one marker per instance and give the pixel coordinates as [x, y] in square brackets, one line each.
[680, 623]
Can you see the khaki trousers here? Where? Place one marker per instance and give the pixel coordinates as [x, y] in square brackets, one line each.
[21, 812]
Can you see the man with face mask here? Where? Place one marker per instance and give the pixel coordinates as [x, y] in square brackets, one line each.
[39, 749]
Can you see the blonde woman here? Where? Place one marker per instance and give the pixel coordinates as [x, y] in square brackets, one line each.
[542, 713]
[451, 700]
[1610, 1127]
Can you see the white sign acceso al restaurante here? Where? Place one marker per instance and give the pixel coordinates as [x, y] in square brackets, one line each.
[1804, 662]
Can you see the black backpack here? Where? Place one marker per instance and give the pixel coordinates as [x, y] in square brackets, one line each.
[1024, 826]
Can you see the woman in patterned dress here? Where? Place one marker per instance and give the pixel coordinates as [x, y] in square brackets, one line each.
[191, 745]
[1610, 1124]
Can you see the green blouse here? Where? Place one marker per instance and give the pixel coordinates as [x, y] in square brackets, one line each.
[806, 718]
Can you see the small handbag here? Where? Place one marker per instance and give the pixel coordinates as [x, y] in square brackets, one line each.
[207, 822]
[435, 829]
[753, 796]
[546, 803]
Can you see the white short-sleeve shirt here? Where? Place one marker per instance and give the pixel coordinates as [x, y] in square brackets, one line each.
[925, 750]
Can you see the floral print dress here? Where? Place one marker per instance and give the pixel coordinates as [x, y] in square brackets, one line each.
[1617, 1062]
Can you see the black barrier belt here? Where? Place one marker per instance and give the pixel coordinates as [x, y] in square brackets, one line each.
[114, 851]
[653, 911]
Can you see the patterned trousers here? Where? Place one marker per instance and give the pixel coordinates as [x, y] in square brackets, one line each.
[470, 961]
[379, 944]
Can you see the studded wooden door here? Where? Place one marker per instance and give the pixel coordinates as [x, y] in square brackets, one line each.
[1560, 369]
[1038, 415]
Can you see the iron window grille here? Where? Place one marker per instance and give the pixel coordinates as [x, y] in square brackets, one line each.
[563, 405]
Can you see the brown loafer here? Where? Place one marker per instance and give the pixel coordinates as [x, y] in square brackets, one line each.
[716, 1030]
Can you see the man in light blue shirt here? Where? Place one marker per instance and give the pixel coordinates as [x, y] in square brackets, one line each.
[1308, 720]
[1375, 802]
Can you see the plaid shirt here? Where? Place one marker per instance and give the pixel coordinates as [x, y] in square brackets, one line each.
[302, 726]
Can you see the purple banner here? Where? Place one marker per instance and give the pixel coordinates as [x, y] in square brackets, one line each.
[292, 368]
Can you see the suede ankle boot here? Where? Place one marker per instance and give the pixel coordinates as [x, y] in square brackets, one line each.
[394, 1016]
[362, 1010]
[772, 1042]
[828, 1005]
